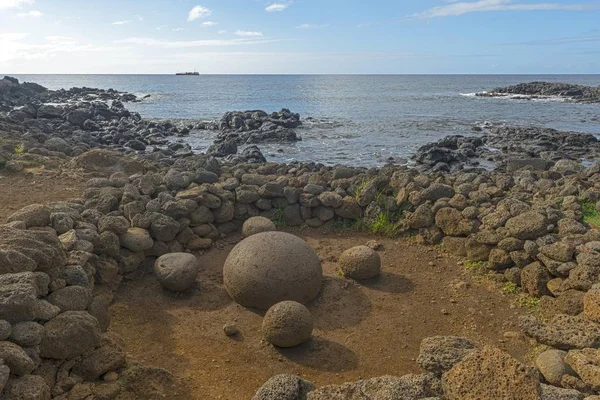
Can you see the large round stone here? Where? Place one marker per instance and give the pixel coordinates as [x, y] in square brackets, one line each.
[176, 271]
[360, 262]
[287, 324]
[270, 267]
[255, 225]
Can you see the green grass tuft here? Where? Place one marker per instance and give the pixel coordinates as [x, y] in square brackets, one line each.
[510, 288]
[591, 216]
[528, 302]
[278, 218]
[477, 267]
[19, 149]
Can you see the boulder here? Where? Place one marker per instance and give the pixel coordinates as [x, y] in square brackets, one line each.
[270, 267]
[564, 332]
[32, 215]
[71, 298]
[360, 262]
[32, 387]
[107, 162]
[452, 222]
[551, 364]
[284, 387]
[176, 271]
[586, 363]
[408, 387]
[349, 209]
[136, 240]
[439, 354]
[16, 359]
[27, 334]
[591, 304]
[491, 374]
[108, 357]
[287, 324]
[256, 225]
[527, 226]
[69, 335]
[22, 250]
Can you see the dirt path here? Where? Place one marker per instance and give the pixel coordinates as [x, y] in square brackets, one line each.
[361, 331]
[18, 190]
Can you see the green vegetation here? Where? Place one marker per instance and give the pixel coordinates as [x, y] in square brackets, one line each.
[278, 217]
[590, 214]
[528, 302]
[510, 288]
[361, 188]
[385, 224]
[19, 149]
[476, 267]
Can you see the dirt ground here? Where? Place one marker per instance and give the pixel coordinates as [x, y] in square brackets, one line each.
[362, 330]
[36, 186]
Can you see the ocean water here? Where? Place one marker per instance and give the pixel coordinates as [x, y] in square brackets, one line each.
[355, 119]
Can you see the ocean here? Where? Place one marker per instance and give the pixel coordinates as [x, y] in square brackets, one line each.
[355, 119]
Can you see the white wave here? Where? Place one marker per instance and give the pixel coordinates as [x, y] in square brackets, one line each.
[469, 94]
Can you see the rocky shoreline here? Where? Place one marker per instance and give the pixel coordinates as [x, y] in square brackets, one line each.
[547, 90]
[527, 224]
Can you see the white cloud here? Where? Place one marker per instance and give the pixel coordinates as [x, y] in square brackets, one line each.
[209, 23]
[14, 3]
[312, 26]
[198, 12]
[192, 43]
[460, 8]
[222, 32]
[60, 39]
[121, 22]
[277, 7]
[31, 14]
[178, 29]
[158, 28]
[248, 33]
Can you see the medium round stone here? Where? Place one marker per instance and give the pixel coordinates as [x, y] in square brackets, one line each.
[256, 225]
[287, 324]
[270, 267]
[360, 262]
[176, 271]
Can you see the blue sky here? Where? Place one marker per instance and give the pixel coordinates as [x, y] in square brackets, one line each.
[300, 36]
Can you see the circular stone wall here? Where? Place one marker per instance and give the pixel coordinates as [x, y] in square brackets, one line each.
[270, 267]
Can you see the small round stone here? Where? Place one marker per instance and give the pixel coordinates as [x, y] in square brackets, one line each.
[230, 330]
[256, 225]
[360, 262]
[287, 324]
[176, 271]
[5, 329]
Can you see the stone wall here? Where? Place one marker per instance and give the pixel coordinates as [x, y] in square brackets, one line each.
[61, 262]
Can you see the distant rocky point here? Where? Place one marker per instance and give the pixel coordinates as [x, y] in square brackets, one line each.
[543, 90]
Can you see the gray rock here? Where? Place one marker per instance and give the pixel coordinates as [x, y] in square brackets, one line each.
[69, 335]
[108, 357]
[437, 191]
[439, 354]
[32, 215]
[71, 298]
[349, 209]
[284, 387]
[176, 271]
[16, 359]
[136, 240]
[564, 332]
[408, 387]
[118, 225]
[27, 334]
[551, 364]
[528, 225]
[163, 228]
[287, 324]
[27, 387]
[5, 330]
[557, 393]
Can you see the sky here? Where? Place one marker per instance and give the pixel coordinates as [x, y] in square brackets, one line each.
[300, 36]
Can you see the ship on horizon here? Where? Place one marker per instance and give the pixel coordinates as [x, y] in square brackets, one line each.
[188, 73]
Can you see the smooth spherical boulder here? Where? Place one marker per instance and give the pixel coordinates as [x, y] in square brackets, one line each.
[287, 324]
[176, 271]
[360, 262]
[255, 225]
[270, 267]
